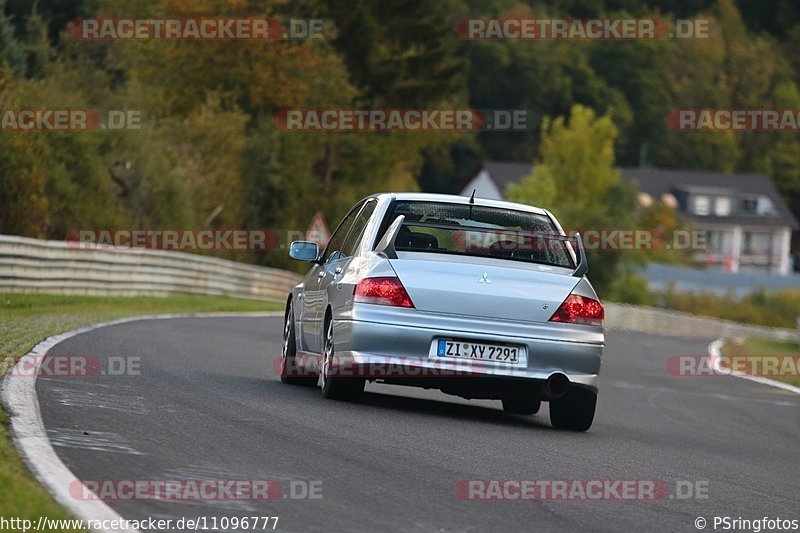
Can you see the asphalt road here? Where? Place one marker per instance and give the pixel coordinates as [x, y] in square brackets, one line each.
[208, 405]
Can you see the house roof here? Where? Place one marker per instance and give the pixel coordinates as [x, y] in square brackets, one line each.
[656, 182]
[504, 173]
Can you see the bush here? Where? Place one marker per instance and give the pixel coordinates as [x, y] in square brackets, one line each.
[775, 309]
[630, 288]
[778, 309]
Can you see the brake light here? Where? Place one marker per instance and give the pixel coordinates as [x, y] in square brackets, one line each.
[382, 291]
[580, 310]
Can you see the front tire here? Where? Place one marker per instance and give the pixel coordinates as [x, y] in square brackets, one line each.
[291, 372]
[335, 387]
[575, 411]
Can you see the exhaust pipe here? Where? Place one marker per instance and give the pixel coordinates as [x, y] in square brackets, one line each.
[556, 386]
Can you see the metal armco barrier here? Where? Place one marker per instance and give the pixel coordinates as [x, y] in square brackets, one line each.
[33, 265]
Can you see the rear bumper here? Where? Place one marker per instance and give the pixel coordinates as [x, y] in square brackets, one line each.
[401, 344]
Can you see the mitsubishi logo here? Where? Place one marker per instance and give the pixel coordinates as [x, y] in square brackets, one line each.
[485, 279]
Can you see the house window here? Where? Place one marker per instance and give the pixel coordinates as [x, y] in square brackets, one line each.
[758, 205]
[701, 205]
[765, 206]
[722, 206]
[749, 205]
[755, 243]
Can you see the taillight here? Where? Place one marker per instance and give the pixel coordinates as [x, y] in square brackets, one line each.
[580, 310]
[382, 291]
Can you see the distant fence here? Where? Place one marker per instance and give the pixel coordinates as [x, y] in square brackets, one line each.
[33, 265]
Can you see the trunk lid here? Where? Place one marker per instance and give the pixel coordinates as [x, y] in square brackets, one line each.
[483, 287]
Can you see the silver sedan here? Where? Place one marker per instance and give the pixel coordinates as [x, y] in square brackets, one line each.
[477, 298]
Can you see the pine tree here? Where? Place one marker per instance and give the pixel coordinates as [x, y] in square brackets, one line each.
[11, 54]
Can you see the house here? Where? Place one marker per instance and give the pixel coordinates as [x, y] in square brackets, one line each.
[747, 224]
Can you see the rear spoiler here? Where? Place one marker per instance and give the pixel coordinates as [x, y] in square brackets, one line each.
[386, 244]
[582, 266]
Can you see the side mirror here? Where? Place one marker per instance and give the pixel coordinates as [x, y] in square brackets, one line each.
[304, 251]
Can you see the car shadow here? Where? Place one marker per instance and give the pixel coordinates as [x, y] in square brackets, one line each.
[390, 401]
[443, 408]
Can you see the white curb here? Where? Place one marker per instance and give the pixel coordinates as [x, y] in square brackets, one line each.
[714, 355]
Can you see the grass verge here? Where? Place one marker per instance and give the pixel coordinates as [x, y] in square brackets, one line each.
[779, 353]
[26, 319]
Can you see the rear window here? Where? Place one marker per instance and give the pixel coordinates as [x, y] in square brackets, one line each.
[479, 231]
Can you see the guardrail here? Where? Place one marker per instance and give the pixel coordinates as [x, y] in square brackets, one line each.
[33, 265]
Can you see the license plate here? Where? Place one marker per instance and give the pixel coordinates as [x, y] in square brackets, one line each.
[477, 350]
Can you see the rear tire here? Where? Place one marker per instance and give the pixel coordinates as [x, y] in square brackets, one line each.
[575, 411]
[333, 387]
[289, 367]
[521, 405]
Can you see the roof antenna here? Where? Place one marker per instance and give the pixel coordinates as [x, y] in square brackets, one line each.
[471, 203]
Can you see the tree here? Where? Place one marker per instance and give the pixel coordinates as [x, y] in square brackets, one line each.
[398, 52]
[36, 45]
[576, 180]
[576, 168]
[545, 77]
[57, 13]
[11, 53]
[23, 202]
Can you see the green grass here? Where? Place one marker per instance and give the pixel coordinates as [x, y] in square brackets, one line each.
[26, 319]
[758, 347]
